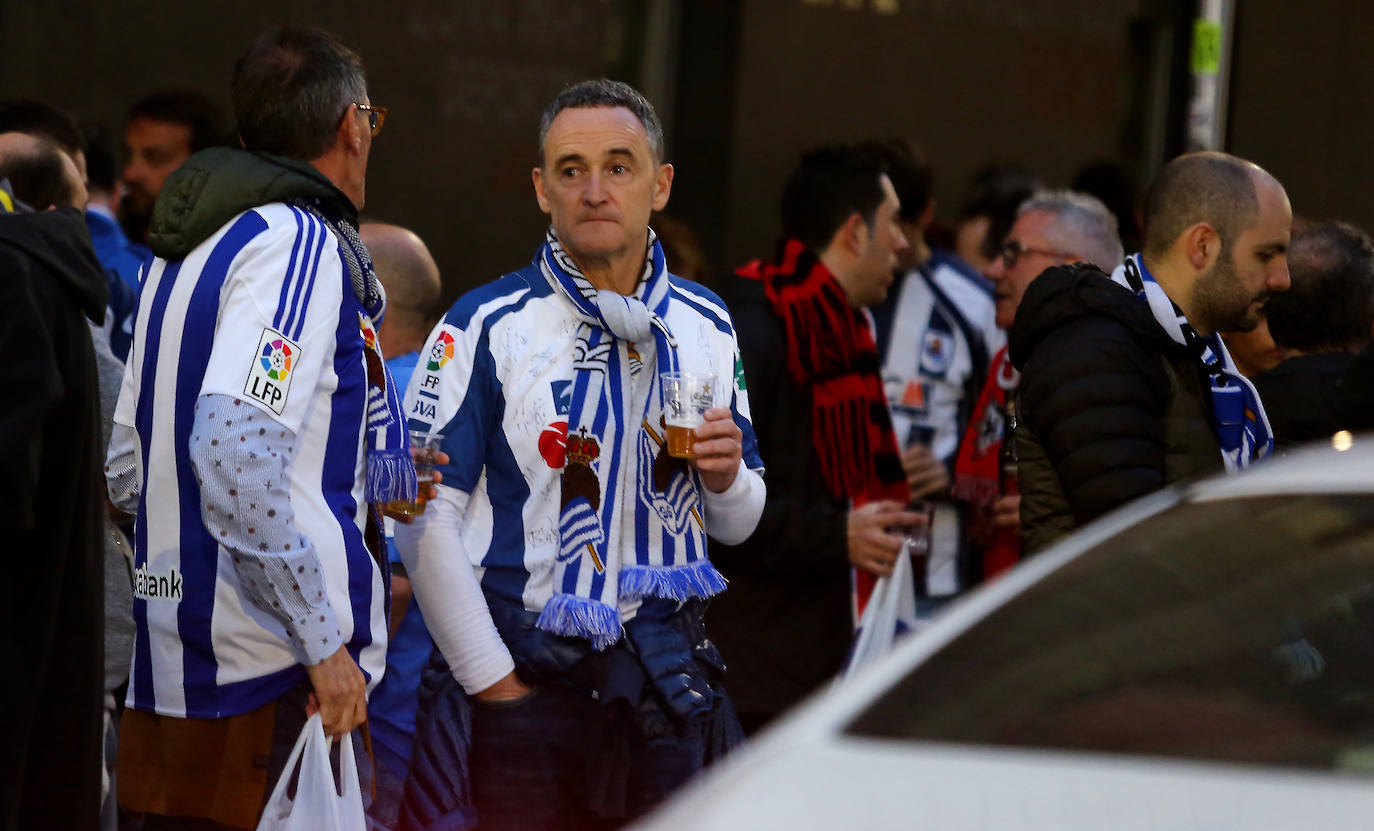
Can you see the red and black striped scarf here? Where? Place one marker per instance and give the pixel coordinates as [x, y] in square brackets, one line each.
[831, 354]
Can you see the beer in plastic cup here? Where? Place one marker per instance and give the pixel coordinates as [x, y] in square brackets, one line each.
[686, 398]
[424, 447]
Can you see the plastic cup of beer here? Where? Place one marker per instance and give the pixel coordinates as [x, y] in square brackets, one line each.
[424, 447]
[686, 398]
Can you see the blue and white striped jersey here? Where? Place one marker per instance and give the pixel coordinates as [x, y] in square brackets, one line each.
[936, 336]
[495, 382]
[263, 311]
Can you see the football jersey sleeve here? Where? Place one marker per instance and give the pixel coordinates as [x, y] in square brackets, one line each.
[453, 395]
[278, 311]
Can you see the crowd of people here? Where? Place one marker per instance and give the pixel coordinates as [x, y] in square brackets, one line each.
[219, 368]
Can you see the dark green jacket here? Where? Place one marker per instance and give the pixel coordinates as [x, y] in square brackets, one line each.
[1110, 407]
[219, 183]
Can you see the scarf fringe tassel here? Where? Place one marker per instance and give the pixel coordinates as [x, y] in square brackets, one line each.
[579, 617]
[978, 490]
[698, 579]
[390, 475]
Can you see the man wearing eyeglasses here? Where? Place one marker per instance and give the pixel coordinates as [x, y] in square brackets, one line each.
[256, 423]
[1052, 228]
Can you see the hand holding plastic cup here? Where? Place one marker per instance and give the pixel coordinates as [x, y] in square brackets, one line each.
[917, 537]
[423, 449]
[686, 398]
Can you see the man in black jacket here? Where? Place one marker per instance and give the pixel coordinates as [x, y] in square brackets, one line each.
[1324, 320]
[1125, 386]
[51, 504]
[836, 488]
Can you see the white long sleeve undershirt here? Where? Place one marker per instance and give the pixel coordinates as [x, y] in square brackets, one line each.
[450, 595]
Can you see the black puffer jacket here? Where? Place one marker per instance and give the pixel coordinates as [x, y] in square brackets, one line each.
[1111, 408]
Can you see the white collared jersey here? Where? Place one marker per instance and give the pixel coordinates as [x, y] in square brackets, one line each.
[494, 381]
[937, 333]
[263, 311]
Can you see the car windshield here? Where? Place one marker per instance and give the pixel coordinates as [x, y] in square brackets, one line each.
[1238, 630]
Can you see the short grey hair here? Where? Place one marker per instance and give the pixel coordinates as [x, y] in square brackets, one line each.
[603, 92]
[292, 88]
[1082, 226]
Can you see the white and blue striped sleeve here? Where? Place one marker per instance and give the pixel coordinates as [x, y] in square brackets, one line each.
[275, 333]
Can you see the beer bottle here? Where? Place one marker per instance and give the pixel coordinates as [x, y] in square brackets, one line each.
[1007, 459]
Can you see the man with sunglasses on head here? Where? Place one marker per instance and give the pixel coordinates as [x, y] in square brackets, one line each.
[1126, 386]
[256, 426]
[1052, 228]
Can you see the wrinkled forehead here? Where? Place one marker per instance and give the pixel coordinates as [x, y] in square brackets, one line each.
[594, 132]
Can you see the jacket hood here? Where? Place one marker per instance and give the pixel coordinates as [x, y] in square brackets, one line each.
[219, 183]
[59, 245]
[1068, 292]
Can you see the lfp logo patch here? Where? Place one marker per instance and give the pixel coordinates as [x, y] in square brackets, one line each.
[269, 376]
[441, 352]
[276, 359]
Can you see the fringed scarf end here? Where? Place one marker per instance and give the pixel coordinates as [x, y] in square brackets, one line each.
[579, 617]
[390, 475]
[698, 579]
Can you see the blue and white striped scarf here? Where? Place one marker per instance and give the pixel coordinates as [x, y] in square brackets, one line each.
[1241, 426]
[390, 469]
[631, 522]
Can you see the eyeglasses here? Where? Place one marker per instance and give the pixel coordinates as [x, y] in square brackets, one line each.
[376, 117]
[1013, 250]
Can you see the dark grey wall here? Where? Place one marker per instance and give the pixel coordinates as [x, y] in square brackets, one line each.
[465, 82]
[1052, 84]
[1301, 103]
[1046, 84]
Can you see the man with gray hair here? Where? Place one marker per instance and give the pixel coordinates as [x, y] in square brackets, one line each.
[1051, 228]
[1126, 386]
[255, 425]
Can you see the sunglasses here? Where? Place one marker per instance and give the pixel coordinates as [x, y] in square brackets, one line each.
[376, 117]
[1013, 250]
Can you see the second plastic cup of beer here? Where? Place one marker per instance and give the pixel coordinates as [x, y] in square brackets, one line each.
[686, 398]
[423, 447]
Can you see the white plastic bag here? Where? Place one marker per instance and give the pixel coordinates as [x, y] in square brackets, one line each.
[317, 806]
[890, 613]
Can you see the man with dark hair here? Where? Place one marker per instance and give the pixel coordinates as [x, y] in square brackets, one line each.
[50, 505]
[839, 489]
[563, 569]
[160, 132]
[114, 248]
[1126, 386]
[256, 426]
[1324, 320]
[988, 210]
[936, 335]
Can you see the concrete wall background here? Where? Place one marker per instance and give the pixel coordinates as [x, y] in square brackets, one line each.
[465, 83]
[745, 87]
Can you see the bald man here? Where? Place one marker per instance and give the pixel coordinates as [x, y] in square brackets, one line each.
[40, 173]
[1126, 386]
[411, 278]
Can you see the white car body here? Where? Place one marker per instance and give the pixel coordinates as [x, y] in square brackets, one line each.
[808, 771]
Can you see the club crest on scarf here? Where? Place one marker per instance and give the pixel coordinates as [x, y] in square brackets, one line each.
[625, 528]
[668, 491]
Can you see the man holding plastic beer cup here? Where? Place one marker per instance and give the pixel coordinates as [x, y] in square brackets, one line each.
[563, 567]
